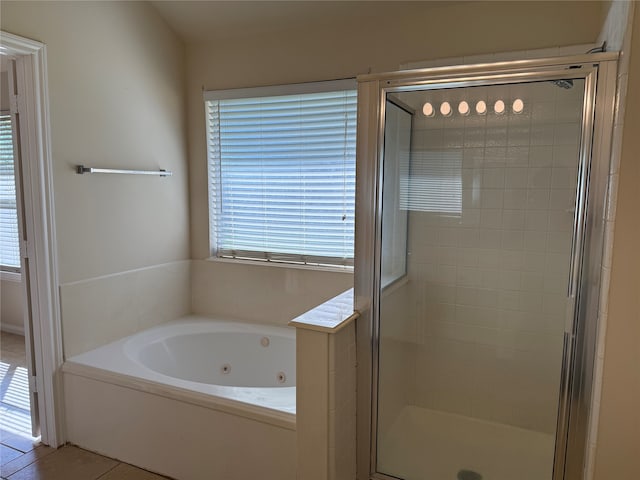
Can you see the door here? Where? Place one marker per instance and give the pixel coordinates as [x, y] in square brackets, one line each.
[482, 354]
[25, 251]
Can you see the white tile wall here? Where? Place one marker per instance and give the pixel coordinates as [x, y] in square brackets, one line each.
[260, 293]
[616, 31]
[480, 326]
[312, 398]
[342, 404]
[326, 399]
[101, 310]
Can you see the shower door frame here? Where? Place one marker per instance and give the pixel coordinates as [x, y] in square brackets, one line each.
[581, 329]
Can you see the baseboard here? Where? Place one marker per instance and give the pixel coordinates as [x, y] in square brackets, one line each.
[15, 329]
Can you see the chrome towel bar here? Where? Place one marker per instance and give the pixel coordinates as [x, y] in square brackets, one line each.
[80, 169]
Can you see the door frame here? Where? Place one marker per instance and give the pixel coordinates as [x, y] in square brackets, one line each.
[577, 383]
[36, 166]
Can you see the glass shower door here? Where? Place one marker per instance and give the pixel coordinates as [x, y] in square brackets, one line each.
[477, 227]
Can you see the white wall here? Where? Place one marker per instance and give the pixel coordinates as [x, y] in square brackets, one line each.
[384, 36]
[116, 86]
[116, 100]
[11, 319]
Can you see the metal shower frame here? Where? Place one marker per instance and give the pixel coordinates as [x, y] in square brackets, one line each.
[581, 331]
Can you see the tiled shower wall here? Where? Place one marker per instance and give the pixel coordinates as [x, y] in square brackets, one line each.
[486, 298]
[616, 31]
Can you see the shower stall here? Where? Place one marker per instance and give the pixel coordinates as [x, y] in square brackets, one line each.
[480, 199]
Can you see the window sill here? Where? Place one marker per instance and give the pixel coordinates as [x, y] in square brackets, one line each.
[14, 277]
[296, 266]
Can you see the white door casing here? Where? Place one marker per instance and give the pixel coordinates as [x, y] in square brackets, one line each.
[39, 251]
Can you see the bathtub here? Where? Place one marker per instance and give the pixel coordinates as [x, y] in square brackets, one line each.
[192, 399]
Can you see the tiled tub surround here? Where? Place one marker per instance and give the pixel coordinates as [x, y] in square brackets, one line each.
[478, 325]
[326, 390]
[261, 292]
[206, 415]
[101, 310]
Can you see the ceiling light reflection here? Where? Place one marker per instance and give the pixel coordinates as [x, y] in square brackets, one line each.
[518, 105]
[428, 110]
[445, 109]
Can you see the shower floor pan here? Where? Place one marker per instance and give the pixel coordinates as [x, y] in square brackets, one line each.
[425, 444]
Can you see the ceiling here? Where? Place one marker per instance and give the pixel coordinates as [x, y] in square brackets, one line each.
[205, 21]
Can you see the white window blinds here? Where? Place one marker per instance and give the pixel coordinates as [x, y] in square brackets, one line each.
[282, 177]
[434, 183]
[9, 244]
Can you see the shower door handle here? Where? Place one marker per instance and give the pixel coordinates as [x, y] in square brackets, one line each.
[578, 240]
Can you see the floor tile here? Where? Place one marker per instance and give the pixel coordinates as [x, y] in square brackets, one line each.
[15, 426]
[14, 386]
[26, 459]
[7, 454]
[15, 411]
[67, 463]
[128, 472]
[23, 443]
[12, 349]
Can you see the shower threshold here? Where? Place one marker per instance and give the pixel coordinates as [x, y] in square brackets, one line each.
[435, 445]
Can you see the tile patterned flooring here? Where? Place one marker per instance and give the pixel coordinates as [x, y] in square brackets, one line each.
[22, 457]
[15, 416]
[65, 463]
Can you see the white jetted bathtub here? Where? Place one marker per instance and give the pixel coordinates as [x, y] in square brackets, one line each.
[193, 399]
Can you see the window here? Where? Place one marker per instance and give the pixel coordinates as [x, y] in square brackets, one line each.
[9, 244]
[282, 173]
[435, 182]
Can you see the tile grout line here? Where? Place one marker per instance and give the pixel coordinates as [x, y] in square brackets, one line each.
[129, 465]
[10, 447]
[37, 459]
[110, 470]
